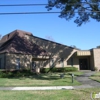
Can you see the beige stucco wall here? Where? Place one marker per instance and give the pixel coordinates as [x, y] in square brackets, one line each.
[57, 51]
[25, 61]
[92, 60]
[96, 58]
[2, 57]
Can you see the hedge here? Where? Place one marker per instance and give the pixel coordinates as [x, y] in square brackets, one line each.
[19, 73]
[54, 69]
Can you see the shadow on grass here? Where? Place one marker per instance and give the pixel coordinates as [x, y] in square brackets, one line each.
[41, 77]
[44, 77]
[22, 75]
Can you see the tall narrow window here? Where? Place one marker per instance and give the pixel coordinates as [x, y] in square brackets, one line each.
[18, 63]
[62, 62]
[71, 61]
[33, 65]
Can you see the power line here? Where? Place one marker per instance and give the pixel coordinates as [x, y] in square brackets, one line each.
[23, 5]
[5, 5]
[22, 13]
[14, 13]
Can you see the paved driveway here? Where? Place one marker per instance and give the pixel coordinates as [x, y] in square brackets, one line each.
[84, 79]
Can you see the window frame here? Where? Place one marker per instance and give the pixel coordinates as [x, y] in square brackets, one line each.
[17, 63]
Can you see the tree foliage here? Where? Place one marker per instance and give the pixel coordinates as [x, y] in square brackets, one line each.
[83, 10]
[98, 46]
[49, 38]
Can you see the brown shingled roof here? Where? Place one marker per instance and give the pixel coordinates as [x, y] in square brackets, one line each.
[15, 42]
[11, 34]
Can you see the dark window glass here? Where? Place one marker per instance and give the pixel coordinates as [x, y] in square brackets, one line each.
[18, 63]
[71, 61]
[62, 62]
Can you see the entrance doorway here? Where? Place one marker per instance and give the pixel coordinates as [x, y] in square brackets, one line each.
[83, 64]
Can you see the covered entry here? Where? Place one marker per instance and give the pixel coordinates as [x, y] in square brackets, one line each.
[36, 62]
[84, 64]
[84, 60]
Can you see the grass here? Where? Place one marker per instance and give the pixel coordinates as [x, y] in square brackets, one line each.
[80, 94]
[96, 77]
[50, 79]
[78, 73]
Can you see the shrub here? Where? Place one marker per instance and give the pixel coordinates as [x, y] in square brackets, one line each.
[26, 73]
[44, 70]
[3, 74]
[62, 69]
[69, 69]
[95, 68]
[54, 69]
[9, 74]
[19, 73]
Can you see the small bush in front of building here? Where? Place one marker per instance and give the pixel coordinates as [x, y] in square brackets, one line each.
[9, 74]
[69, 69]
[26, 73]
[54, 69]
[3, 74]
[61, 69]
[44, 70]
[19, 73]
[95, 69]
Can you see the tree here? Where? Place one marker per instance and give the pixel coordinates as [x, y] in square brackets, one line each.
[75, 47]
[98, 46]
[49, 38]
[83, 10]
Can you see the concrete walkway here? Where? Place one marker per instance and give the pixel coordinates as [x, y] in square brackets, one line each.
[37, 88]
[47, 88]
[84, 79]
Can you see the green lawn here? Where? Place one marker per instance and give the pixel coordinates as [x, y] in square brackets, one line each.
[80, 94]
[78, 73]
[96, 77]
[40, 80]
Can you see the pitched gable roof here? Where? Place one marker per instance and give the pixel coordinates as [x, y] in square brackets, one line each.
[12, 34]
[15, 42]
